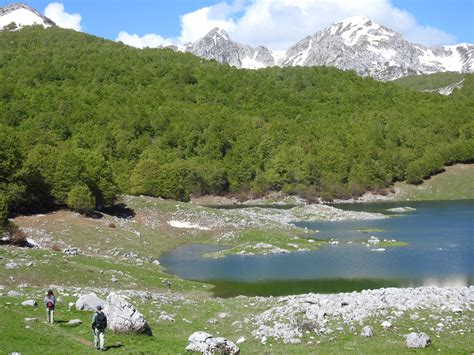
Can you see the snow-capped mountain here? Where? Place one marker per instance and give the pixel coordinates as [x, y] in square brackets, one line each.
[356, 44]
[373, 50]
[217, 45]
[22, 15]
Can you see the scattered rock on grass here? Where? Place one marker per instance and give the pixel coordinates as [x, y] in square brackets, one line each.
[72, 251]
[367, 332]
[417, 340]
[74, 322]
[11, 265]
[30, 303]
[205, 343]
[456, 309]
[166, 318]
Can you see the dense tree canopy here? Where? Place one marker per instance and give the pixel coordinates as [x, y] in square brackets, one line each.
[77, 110]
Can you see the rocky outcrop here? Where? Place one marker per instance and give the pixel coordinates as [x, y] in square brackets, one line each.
[123, 317]
[291, 315]
[89, 302]
[205, 343]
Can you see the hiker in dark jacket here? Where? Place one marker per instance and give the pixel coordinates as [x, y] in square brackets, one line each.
[99, 323]
[50, 303]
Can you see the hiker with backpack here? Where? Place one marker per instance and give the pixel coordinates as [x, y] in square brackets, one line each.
[50, 303]
[99, 323]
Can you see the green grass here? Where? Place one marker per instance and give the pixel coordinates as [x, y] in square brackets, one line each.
[246, 242]
[370, 230]
[429, 82]
[265, 288]
[383, 243]
[52, 268]
[456, 183]
[41, 338]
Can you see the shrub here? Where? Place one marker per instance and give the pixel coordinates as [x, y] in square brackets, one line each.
[4, 225]
[80, 199]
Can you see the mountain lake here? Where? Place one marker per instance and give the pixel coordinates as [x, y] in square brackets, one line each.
[440, 251]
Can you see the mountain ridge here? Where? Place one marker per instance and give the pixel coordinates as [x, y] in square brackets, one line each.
[355, 43]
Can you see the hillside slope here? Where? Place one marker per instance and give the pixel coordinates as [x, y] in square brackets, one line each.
[79, 112]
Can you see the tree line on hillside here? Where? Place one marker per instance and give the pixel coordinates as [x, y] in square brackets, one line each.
[83, 119]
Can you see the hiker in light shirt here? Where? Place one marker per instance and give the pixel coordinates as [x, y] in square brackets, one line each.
[50, 303]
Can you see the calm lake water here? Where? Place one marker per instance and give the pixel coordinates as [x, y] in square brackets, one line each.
[440, 252]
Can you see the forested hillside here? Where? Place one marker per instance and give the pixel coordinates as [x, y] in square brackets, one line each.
[431, 81]
[83, 119]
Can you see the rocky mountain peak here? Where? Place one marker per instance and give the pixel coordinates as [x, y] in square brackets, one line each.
[22, 15]
[359, 44]
[218, 45]
[357, 28]
[218, 33]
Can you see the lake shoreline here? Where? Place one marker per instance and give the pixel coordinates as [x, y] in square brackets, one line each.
[77, 255]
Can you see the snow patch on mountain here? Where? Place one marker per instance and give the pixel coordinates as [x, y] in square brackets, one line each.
[373, 50]
[356, 43]
[22, 15]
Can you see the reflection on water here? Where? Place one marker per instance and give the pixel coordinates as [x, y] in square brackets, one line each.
[440, 252]
[447, 282]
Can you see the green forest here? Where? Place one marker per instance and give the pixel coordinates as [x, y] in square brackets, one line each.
[84, 119]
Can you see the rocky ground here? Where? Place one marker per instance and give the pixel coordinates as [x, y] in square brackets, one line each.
[368, 321]
[118, 255]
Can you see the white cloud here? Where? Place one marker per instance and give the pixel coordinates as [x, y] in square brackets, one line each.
[55, 11]
[279, 24]
[149, 40]
[196, 24]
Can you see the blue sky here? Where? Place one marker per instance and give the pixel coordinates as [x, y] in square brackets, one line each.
[274, 23]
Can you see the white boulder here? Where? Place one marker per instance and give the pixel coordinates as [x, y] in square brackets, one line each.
[30, 303]
[89, 302]
[456, 309]
[123, 317]
[74, 322]
[166, 318]
[367, 331]
[205, 343]
[373, 240]
[11, 265]
[417, 340]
